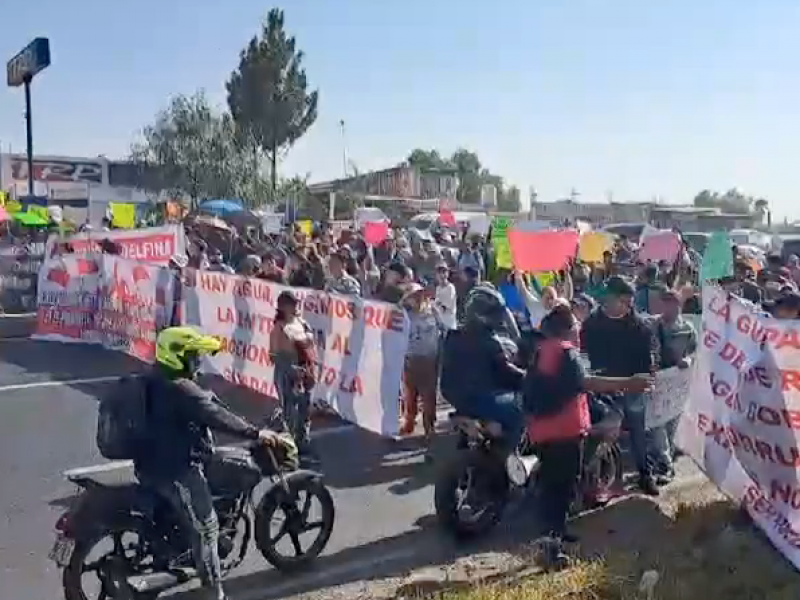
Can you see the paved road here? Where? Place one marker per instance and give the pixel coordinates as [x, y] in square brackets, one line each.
[381, 487]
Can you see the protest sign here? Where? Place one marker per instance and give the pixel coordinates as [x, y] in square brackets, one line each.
[123, 215]
[668, 397]
[742, 418]
[542, 250]
[375, 232]
[19, 272]
[593, 244]
[502, 247]
[717, 258]
[151, 244]
[662, 245]
[103, 299]
[361, 344]
[307, 227]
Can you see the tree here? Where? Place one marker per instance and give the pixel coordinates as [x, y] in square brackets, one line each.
[471, 173]
[193, 150]
[268, 93]
[510, 200]
[732, 201]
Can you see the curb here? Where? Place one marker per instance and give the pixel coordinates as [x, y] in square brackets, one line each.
[17, 326]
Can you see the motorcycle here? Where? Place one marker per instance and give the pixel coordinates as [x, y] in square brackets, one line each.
[158, 557]
[474, 489]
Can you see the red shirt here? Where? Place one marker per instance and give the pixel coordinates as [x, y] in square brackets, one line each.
[573, 419]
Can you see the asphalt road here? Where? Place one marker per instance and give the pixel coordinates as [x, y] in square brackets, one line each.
[382, 488]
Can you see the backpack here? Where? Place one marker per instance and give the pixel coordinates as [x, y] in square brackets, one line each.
[122, 419]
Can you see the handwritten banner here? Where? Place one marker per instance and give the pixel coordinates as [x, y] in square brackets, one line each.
[151, 244]
[19, 275]
[361, 343]
[742, 419]
[102, 299]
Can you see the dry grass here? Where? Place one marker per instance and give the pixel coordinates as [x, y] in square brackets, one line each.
[706, 552]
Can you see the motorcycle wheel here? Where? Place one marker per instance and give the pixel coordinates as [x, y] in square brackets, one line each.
[471, 472]
[296, 522]
[111, 569]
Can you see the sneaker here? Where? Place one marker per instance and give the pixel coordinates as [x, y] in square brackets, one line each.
[648, 485]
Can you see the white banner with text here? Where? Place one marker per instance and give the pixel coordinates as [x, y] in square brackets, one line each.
[361, 344]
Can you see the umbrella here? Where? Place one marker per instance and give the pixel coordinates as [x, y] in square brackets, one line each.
[30, 219]
[221, 206]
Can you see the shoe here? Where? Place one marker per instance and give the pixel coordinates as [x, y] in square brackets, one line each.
[648, 485]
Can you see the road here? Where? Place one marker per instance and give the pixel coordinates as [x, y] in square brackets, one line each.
[381, 488]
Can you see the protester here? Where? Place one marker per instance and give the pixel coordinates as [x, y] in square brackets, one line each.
[339, 281]
[677, 343]
[292, 350]
[615, 325]
[420, 377]
[445, 297]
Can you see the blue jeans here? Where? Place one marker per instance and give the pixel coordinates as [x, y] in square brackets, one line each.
[191, 498]
[661, 447]
[633, 408]
[500, 407]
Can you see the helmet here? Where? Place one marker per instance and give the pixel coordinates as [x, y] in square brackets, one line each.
[178, 347]
[484, 306]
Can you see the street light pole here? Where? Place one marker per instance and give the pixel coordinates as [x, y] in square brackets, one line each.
[344, 149]
[29, 132]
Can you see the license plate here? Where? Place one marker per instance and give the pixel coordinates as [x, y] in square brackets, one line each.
[62, 551]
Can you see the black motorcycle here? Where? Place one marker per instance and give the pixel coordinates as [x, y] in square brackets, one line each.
[149, 554]
[476, 486]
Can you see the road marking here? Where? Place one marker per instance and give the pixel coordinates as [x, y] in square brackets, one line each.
[54, 383]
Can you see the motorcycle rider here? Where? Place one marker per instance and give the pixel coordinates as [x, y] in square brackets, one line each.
[180, 418]
[479, 377]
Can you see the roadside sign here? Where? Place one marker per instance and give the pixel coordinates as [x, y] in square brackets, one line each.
[34, 58]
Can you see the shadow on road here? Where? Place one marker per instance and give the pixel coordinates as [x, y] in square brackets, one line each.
[619, 525]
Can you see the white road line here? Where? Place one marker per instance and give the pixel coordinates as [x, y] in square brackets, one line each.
[57, 382]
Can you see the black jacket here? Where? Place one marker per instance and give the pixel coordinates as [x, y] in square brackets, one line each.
[474, 364]
[181, 416]
[619, 347]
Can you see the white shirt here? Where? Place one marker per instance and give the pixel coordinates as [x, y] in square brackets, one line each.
[446, 304]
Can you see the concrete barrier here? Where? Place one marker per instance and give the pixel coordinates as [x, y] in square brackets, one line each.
[17, 326]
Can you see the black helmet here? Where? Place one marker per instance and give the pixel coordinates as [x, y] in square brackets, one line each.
[484, 306]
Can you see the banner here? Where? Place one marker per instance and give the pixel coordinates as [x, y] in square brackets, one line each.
[151, 244]
[103, 299]
[741, 421]
[19, 273]
[361, 344]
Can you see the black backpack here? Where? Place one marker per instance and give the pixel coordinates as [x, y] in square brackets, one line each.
[122, 419]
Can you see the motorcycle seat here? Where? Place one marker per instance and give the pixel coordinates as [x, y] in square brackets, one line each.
[475, 427]
[112, 475]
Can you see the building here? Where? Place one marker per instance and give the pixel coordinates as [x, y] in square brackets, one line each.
[597, 213]
[685, 218]
[82, 186]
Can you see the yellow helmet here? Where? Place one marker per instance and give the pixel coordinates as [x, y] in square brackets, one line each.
[173, 343]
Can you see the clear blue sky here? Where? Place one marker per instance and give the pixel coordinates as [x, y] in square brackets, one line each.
[636, 97]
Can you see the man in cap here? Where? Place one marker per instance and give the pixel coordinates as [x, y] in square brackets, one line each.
[616, 325]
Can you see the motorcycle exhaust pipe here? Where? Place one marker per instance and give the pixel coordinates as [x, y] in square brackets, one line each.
[155, 583]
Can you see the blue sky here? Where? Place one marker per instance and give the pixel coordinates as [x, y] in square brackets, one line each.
[633, 97]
